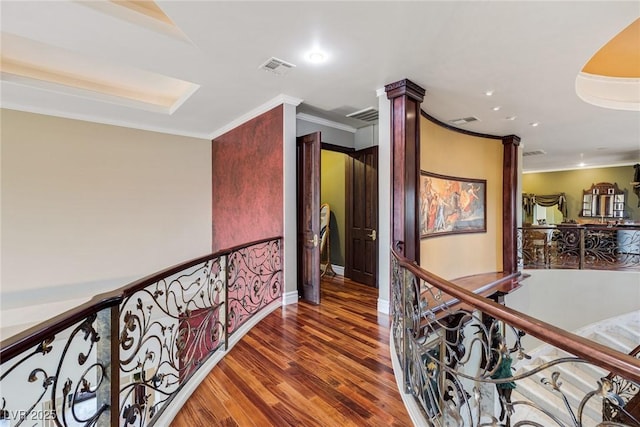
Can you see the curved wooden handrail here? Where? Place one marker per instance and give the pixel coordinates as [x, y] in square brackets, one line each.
[20, 342]
[632, 353]
[36, 334]
[591, 351]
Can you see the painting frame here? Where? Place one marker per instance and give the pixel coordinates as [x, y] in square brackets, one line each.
[451, 205]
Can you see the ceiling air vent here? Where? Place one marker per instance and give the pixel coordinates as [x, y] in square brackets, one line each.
[534, 153]
[464, 120]
[277, 66]
[369, 114]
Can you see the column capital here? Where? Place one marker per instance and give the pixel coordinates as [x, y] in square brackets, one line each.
[405, 87]
[511, 139]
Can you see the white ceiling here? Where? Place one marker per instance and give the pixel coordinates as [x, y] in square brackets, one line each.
[528, 53]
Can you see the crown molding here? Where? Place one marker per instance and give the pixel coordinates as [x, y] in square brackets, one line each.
[325, 122]
[278, 100]
[100, 120]
[576, 168]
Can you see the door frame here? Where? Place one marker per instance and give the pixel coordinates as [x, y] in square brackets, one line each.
[349, 216]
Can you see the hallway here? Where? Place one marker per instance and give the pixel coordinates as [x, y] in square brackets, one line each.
[305, 365]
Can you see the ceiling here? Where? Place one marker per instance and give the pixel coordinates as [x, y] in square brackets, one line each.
[192, 67]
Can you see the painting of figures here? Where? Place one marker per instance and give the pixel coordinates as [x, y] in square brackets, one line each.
[451, 205]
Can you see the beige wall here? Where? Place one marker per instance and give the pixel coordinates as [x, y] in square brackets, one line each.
[88, 206]
[573, 182]
[454, 154]
[332, 191]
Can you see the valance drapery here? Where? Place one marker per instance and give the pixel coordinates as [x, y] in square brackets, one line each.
[530, 200]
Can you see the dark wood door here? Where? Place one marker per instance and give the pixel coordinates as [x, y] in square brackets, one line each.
[308, 200]
[362, 217]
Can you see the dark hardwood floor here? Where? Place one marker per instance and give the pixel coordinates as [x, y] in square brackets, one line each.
[306, 365]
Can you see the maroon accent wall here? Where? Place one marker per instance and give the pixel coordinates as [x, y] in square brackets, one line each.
[247, 185]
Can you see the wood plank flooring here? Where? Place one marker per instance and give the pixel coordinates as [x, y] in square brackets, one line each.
[306, 365]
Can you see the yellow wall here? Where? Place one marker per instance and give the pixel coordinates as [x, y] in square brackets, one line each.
[455, 154]
[332, 191]
[573, 182]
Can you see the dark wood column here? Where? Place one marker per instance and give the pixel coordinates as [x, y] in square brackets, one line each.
[405, 97]
[509, 203]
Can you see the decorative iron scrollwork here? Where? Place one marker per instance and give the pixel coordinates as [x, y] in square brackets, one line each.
[254, 281]
[166, 330]
[461, 366]
[593, 247]
[66, 368]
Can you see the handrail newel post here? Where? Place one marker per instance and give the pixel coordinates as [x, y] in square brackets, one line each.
[224, 264]
[582, 249]
[442, 373]
[108, 355]
[405, 328]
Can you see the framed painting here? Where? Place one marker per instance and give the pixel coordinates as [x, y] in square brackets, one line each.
[450, 205]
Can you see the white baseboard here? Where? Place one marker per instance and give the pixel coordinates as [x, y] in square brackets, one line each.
[183, 395]
[383, 306]
[290, 298]
[414, 411]
[338, 269]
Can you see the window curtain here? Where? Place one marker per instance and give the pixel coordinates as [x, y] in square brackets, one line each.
[530, 200]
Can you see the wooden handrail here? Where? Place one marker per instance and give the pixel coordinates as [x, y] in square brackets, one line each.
[22, 341]
[36, 334]
[632, 353]
[591, 351]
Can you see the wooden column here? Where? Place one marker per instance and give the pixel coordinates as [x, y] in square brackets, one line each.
[509, 203]
[405, 97]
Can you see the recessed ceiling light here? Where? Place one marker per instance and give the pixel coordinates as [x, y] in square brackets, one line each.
[316, 57]
[496, 108]
[489, 93]
[535, 124]
[512, 118]
[581, 164]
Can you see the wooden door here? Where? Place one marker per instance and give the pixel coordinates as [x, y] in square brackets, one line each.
[362, 217]
[308, 200]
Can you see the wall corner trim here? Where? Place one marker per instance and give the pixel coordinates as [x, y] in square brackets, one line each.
[384, 306]
[272, 103]
[290, 298]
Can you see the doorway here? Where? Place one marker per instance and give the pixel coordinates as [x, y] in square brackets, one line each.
[353, 229]
[362, 217]
[349, 186]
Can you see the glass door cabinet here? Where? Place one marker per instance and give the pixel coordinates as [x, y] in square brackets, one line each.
[603, 200]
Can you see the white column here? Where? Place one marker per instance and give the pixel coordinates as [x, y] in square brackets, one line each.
[289, 260]
[384, 201]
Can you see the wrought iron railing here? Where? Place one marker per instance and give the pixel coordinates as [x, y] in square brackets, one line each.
[595, 247]
[463, 363]
[121, 358]
[627, 392]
